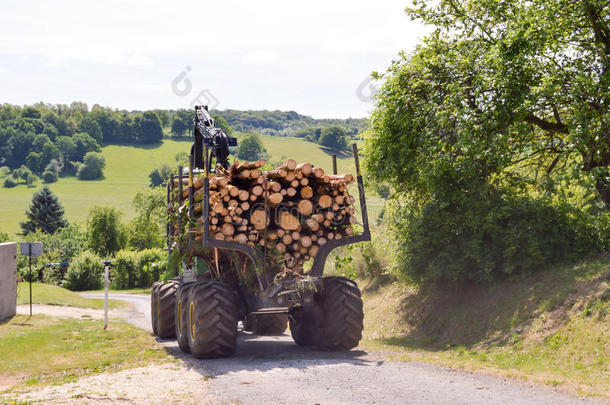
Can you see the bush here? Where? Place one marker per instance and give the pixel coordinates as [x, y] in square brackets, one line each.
[125, 270]
[151, 264]
[10, 182]
[137, 269]
[85, 272]
[92, 167]
[106, 234]
[49, 177]
[486, 239]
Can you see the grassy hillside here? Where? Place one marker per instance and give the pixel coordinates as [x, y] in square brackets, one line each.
[551, 328]
[54, 295]
[127, 169]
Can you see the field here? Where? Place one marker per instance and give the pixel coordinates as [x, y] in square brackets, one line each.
[127, 169]
[80, 347]
[53, 295]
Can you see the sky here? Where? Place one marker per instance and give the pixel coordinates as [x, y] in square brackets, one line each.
[313, 57]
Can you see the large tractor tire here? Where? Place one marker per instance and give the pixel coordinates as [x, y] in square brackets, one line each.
[305, 325]
[181, 316]
[272, 324]
[153, 306]
[166, 302]
[341, 324]
[212, 320]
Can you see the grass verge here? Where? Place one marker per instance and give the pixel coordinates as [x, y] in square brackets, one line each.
[42, 350]
[549, 328]
[128, 291]
[53, 295]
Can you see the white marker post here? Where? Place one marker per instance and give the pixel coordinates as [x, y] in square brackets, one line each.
[106, 279]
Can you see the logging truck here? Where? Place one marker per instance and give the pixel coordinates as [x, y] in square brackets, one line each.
[248, 243]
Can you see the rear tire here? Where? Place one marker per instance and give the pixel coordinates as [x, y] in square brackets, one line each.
[342, 322]
[272, 324]
[181, 316]
[212, 320]
[304, 325]
[166, 302]
[153, 306]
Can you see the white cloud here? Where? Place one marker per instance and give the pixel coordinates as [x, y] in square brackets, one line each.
[304, 56]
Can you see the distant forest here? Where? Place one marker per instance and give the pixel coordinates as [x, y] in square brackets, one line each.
[54, 139]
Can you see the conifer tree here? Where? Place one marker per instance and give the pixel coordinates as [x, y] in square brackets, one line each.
[45, 213]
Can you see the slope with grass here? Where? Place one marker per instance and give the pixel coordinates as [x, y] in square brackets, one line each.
[552, 327]
[127, 170]
[66, 349]
[53, 295]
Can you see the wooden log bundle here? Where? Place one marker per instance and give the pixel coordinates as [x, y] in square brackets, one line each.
[291, 210]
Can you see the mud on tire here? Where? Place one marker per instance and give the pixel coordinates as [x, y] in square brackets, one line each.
[212, 320]
[165, 306]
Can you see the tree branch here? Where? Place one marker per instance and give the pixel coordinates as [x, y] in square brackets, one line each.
[547, 125]
[601, 33]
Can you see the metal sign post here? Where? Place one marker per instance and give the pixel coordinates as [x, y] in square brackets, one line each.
[106, 280]
[30, 249]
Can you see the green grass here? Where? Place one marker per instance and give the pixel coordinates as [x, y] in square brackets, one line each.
[54, 295]
[40, 349]
[551, 327]
[126, 173]
[127, 291]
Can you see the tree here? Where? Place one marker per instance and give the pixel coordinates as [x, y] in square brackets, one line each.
[32, 161]
[222, 123]
[45, 213]
[250, 147]
[333, 137]
[149, 128]
[93, 166]
[517, 86]
[67, 147]
[105, 233]
[160, 175]
[83, 143]
[91, 127]
[178, 127]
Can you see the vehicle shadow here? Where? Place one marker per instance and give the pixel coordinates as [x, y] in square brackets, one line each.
[264, 353]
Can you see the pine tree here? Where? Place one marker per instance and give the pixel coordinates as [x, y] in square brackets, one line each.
[45, 213]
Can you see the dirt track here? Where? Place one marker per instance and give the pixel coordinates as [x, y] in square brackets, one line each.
[273, 370]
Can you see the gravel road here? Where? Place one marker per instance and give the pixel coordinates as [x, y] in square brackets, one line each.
[273, 370]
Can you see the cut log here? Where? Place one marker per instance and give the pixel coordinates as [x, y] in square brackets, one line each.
[275, 199]
[305, 207]
[227, 229]
[305, 242]
[291, 191]
[305, 168]
[306, 192]
[243, 195]
[290, 164]
[288, 221]
[318, 172]
[241, 238]
[259, 219]
[324, 201]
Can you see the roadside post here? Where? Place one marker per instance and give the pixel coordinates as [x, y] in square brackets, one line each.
[30, 249]
[107, 263]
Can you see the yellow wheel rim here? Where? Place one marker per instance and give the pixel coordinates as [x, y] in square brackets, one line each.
[192, 320]
[179, 317]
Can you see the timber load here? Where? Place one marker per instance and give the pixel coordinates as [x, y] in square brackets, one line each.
[290, 211]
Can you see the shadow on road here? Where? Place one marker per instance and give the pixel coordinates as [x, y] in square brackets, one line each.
[263, 353]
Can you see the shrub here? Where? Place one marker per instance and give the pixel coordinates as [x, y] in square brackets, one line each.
[486, 239]
[151, 264]
[85, 272]
[49, 177]
[125, 270]
[92, 167]
[10, 182]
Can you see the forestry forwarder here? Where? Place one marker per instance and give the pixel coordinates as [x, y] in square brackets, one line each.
[221, 282]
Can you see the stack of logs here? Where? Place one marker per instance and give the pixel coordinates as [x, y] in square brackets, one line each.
[293, 209]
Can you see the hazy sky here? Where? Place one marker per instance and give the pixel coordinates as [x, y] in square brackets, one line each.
[307, 56]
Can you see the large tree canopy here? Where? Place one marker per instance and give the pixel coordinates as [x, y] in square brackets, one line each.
[496, 86]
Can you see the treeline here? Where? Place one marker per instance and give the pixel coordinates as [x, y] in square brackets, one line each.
[52, 140]
[276, 123]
